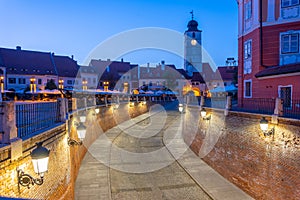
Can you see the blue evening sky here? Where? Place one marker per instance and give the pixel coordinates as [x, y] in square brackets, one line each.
[76, 27]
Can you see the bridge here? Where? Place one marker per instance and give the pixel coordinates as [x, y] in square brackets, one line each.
[148, 150]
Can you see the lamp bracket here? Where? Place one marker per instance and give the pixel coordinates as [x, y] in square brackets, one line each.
[270, 132]
[207, 117]
[72, 142]
[26, 180]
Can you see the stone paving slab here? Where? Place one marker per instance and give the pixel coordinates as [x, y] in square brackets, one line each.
[210, 181]
[96, 184]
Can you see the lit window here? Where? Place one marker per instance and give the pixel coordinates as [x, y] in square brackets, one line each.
[288, 3]
[248, 10]
[248, 88]
[290, 43]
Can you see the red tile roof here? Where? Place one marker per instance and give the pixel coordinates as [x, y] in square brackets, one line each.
[227, 72]
[26, 62]
[277, 70]
[66, 66]
[116, 69]
[18, 61]
[197, 77]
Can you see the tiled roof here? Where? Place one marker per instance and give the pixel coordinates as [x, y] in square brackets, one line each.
[197, 77]
[65, 66]
[19, 61]
[227, 72]
[278, 70]
[116, 68]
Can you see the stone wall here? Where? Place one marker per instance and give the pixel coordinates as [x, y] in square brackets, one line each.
[264, 167]
[64, 160]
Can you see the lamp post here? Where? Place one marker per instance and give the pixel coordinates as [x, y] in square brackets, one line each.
[2, 84]
[81, 132]
[61, 84]
[106, 84]
[125, 87]
[264, 126]
[40, 158]
[180, 108]
[204, 115]
[32, 85]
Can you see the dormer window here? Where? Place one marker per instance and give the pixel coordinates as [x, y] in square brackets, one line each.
[289, 3]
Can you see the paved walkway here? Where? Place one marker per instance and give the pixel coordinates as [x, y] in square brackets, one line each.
[137, 160]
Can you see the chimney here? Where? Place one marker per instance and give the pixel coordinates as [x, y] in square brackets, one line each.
[108, 59]
[72, 56]
[162, 65]
[18, 48]
[122, 60]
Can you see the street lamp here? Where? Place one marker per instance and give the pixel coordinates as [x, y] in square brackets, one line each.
[61, 84]
[81, 132]
[204, 115]
[116, 106]
[97, 110]
[40, 158]
[131, 104]
[2, 84]
[106, 84]
[180, 107]
[264, 126]
[32, 85]
[82, 118]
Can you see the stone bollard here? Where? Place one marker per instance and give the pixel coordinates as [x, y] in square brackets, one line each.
[228, 105]
[202, 101]
[63, 109]
[10, 133]
[278, 111]
[74, 104]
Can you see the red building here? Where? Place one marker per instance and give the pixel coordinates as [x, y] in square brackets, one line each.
[269, 56]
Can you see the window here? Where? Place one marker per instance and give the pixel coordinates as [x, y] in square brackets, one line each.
[290, 43]
[12, 80]
[248, 88]
[22, 81]
[288, 3]
[94, 80]
[39, 81]
[248, 10]
[69, 82]
[248, 49]
[285, 93]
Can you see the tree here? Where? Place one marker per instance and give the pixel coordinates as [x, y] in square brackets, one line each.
[51, 85]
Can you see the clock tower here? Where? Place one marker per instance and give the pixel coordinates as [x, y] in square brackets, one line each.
[192, 48]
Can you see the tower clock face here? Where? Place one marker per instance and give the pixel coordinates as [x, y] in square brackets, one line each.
[193, 42]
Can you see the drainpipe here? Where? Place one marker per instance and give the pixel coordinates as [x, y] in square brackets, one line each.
[261, 47]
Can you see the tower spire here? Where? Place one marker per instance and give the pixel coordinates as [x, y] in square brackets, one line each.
[192, 13]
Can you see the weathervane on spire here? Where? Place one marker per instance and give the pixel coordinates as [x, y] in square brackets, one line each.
[192, 12]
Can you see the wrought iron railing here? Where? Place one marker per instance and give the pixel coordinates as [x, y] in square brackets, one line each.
[257, 105]
[33, 117]
[292, 110]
